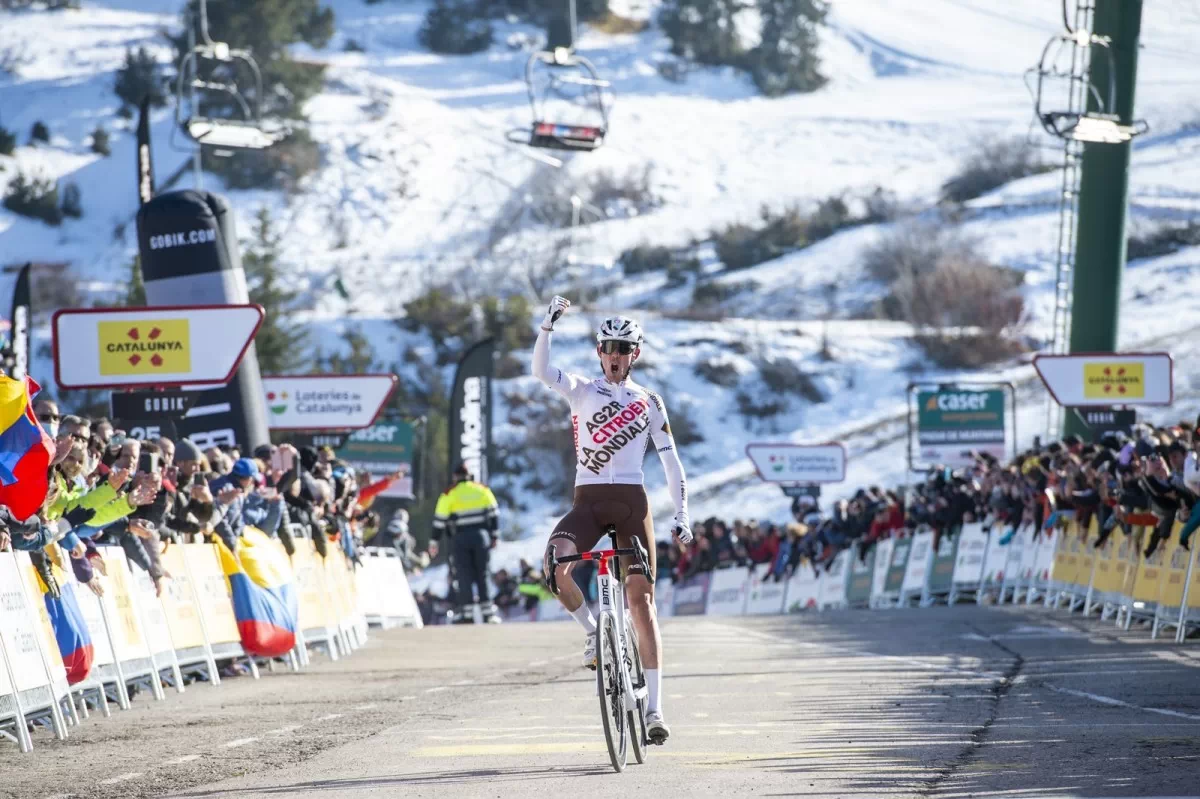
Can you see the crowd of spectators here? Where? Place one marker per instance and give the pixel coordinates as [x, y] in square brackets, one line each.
[1149, 479]
[109, 490]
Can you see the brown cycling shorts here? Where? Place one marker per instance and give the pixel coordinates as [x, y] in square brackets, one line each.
[623, 505]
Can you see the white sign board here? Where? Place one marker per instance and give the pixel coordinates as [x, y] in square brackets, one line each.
[727, 592]
[765, 593]
[799, 463]
[1138, 378]
[17, 628]
[325, 402]
[972, 546]
[803, 588]
[996, 559]
[917, 569]
[151, 347]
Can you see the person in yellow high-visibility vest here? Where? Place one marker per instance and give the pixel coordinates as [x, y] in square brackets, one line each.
[468, 514]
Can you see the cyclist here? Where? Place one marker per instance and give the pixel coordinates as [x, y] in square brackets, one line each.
[614, 419]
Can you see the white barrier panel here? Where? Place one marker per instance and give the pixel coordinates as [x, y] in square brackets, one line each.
[968, 565]
[727, 592]
[883, 560]
[1044, 560]
[833, 582]
[917, 570]
[384, 594]
[1013, 564]
[765, 595]
[803, 589]
[995, 560]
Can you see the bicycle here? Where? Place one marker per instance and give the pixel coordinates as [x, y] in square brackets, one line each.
[620, 678]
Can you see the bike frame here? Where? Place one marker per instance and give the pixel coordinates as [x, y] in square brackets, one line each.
[612, 604]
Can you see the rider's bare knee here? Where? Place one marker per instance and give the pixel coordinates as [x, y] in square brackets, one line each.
[640, 595]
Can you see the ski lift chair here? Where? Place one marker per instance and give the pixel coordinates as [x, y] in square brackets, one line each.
[1097, 127]
[247, 133]
[566, 68]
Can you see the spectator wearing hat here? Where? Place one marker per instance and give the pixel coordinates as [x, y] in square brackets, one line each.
[230, 494]
[468, 513]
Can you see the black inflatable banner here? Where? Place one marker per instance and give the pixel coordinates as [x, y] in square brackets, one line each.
[471, 412]
[189, 248]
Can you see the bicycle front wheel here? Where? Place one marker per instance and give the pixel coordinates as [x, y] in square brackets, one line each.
[612, 694]
[636, 719]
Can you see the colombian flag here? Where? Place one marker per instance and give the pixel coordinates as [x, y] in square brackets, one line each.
[264, 595]
[70, 630]
[25, 449]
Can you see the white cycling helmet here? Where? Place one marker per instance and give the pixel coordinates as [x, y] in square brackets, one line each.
[620, 328]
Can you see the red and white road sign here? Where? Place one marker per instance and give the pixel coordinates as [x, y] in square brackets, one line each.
[160, 347]
[1107, 379]
[326, 402]
[799, 463]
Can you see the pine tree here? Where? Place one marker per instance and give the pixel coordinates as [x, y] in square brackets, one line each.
[704, 31]
[786, 59]
[280, 342]
[359, 359]
[140, 77]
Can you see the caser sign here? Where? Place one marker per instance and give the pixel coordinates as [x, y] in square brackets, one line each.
[965, 401]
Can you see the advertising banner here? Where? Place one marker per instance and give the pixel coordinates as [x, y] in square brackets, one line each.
[380, 450]
[799, 463]
[1106, 379]
[325, 402]
[952, 423]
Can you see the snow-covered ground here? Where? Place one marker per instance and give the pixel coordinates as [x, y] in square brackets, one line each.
[416, 171]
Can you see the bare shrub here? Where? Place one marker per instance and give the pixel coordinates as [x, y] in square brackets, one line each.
[784, 376]
[913, 249]
[1163, 240]
[990, 166]
[714, 293]
[614, 24]
[718, 372]
[759, 407]
[645, 258]
[684, 427]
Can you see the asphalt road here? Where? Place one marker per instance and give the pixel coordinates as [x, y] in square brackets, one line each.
[941, 702]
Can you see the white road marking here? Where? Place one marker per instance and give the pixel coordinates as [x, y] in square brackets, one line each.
[538, 662]
[284, 730]
[368, 706]
[435, 689]
[122, 778]
[238, 742]
[330, 717]
[175, 761]
[406, 698]
[464, 682]
[1108, 700]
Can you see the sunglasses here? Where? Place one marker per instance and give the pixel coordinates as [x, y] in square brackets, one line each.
[611, 346]
[45, 417]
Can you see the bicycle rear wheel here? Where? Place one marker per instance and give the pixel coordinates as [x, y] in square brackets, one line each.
[612, 695]
[637, 677]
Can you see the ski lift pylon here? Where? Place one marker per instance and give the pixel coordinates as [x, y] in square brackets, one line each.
[564, 67]
[247, 133]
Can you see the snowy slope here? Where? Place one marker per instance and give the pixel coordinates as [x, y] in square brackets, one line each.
[417, 170]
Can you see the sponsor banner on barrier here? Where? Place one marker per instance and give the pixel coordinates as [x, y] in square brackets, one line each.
[216, 603]
[19, 628]
[1174, 571]
[691, 596]
[664, 598]
[833, 582]
[941, 570]
[972, 550]
[178, 601]
[727, 592]
[1029, 553]
[899, 565]
[917, 570]
[996, 558]
[551, 610]
[952, 423]
[1047, 546]
[862, 576]
[765, 594]
[883, 562]
[803, 588]
[154, 619]
[128, 640]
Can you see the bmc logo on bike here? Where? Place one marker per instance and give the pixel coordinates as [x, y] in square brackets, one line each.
[604, 594]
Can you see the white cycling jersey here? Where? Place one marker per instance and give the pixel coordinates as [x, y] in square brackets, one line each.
[613, 425]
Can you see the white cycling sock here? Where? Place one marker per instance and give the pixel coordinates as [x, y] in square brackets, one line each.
[654, 683]
[583, 615]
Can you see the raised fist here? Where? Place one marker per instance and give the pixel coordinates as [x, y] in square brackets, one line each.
[558, 307]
